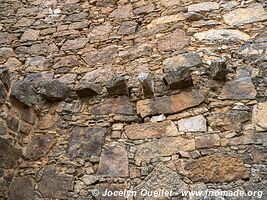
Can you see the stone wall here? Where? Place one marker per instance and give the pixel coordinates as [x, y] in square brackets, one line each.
[154, 94]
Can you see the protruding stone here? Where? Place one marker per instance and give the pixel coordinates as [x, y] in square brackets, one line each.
[218, 70]
[117, 86]
[12, 123]
[179, 78]
[53, 90]
[86, 142]
[54, 184]
[151, 130]
[203, 7]
[217, 169]
[176, 103]
[128, 28]
[221, 35]
[241, 88]
[89, 179]
[193, 124]
[240, 16]
[147, 84]
[98, 76]
[39, 146]
[114, 162]
[74, 44]
[85, 89]
[163, 147]
[30, 35]
[122, 12]
[24, 22]
[207, 141]
[21, 188]
[9, 155]
[259, 116]
[165, 20]
[183, 60]
[5, 78]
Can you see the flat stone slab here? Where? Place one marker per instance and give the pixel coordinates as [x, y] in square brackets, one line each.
[151, 130]
[165, 20]
[241, 16]
[193, 124]
[259, 116]
[203, 7]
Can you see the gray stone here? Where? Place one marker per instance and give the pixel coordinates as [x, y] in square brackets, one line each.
[39, 146]
[21, 189]
[259, 116]
[89, 179]
[7, 38]
[222, 35]
[117, 86]
[240, 88]
[24, 22]
[53, 90]
[67, 61]
[203, 7]
[253, 51]
[193, 124]
[128, 28]
[158, 118]
[122, 12]
[113, 162]
[98, 76]
[148, 8]
[147, 84]
[3, 128]
[86, 142]
[182, 60]
[5, 78]
[12, 123]
[179, 78]
[218, 70]
[9, 155]
[3, 93]
[240, 16]
[74, 44]
[30, 35]
[54, 184]
[85, 89]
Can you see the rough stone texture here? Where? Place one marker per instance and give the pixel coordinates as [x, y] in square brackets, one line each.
[29, 35]
[193, 124]
[147, 84]
[207, 141]
[113, 162]
[3, 93]
[163, 147]
[217, 168]
[166, 20]
[85, 142]
[241, 88]
[39, 146]
[88, 89]
[259, 116]
[176, 103]
[21, 188]
[218, 70]
[3, 128]
[221, 34]
[179, 78]
[127, 28]
[9, 155]
[242, 16]
[122, 12]
[54, 184]
[117, 86]
[151, 130]
[203, 7]
[74, 44]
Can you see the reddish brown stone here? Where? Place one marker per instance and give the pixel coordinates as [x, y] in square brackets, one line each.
[207, 141]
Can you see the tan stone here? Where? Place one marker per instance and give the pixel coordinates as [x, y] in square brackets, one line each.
[259, 116]
[165, 20]
[203, 7]
[151, 130]
[176, 103]
[48, 121]
[217, 168]
[163, 147]
[207, 141]
[30, 35]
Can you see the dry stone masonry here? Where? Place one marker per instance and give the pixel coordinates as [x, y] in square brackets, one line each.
[140, 94]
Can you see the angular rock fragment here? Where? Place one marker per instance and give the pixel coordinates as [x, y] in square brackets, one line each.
[259, 116]
[148, 8]
[5, 78]
[176, 103]
[12, 123]
[218, 70]
[3, 93]
[67, 61]
[183, 60]
[3, 128]
[253, 51]
[98, 76]
[203, 7]
[88, 89]
[113, 162]
[165, 20]
[30, 35]
[240, 88]
[217, 169]
[53, 90]
[117, 86]
[207, 141]
[240, 16]
[122, 12]
[193, 124]
[74, 44]
[55, 185]
[21, 188]
[147, 84]
[151, 130]
[179, 78]
[127, 28]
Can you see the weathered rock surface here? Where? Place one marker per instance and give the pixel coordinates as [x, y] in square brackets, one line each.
[9, 155]
[221, 35]
[259, 116]
[176, 103]
[86, 142]
[166, 20]
[151, 130]
[98, 76]
[30, 35]
[179, 78]
[207, 141]
[203, 7]
[147, 84]
[218, 70]
[3, 128]
[5, 78]
[21, 188]
[74, 44]
[163, 147]
[127, 28]
[3, 93]
[39, 146]
[117, 86]
[240, 88]
[55, 185]
[122, 12]
[193, 124]
[113, 162]
[240, 16]
[85, 89]
[217, 168]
